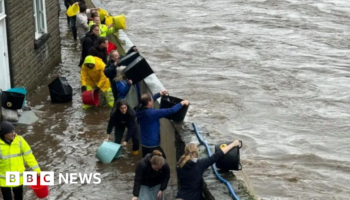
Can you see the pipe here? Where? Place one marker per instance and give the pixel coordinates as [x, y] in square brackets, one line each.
[213, 166]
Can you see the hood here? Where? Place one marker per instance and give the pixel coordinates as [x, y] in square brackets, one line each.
[89, 60]
[189, 164]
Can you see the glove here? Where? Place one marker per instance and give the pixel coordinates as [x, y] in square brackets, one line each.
[83, 88]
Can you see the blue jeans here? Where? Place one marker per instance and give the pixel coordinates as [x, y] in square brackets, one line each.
[149, 193]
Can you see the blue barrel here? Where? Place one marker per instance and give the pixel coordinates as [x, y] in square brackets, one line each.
[108, 151]
[20, 90]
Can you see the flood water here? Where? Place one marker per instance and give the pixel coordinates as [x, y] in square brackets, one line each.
[274, 73]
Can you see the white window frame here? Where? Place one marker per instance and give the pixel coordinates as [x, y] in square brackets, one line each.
[2, 11]
[39, 18]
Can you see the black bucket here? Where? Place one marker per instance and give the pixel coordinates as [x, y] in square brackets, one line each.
[126, 60]
[12, 100]
[60, 90]
[231, 160]
[168, 102]
[137, 70]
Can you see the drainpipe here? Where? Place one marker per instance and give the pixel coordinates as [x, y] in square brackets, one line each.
[9, 45]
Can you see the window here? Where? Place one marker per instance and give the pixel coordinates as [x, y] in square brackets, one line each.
[2, 7]
[39, 18]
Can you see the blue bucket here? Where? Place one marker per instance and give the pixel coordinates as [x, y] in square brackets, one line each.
[20, 90]
[108, 151]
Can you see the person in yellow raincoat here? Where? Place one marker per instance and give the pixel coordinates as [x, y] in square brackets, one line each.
[104, 29]
[93, 78]
[14, 151]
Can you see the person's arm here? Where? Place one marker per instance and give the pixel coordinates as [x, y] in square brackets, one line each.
[156, 96]
[138, 179]
[207, 162]
[110, 71]
[123, 88]
[160, 113]
[28, 156]
[87, 44]
[166, 177]
[83, 76]
[103, 80]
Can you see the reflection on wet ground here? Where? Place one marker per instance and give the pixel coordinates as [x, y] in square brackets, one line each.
[272, 73]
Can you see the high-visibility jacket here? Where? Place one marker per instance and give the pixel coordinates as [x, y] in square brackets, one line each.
[104, 30]
[95, 77]
[12, 158]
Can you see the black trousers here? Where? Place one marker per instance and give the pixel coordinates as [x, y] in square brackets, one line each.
[17, 191]
[118, 136]
[146, 150]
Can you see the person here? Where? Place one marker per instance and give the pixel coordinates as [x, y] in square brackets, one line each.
[14, 151]
[123, 84]
[93, 78]
[111, 68]
[89, 40]
[104, 29]
[72, 20]
[190, 170]
[124, 117]
[148, 118]
[99, 49]
[82, 21]
[152, 175]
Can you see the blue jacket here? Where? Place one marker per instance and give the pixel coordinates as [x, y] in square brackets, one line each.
[148, 118]
[123, 89]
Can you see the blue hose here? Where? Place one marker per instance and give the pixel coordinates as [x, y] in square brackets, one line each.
[213, 166]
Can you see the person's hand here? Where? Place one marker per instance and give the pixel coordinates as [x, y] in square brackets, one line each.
[116, 63]
[159, 195]
[185, 103]
[106, 140]
[130, 82]
[124, 144]
[83, 88]
[163, 93]
[135, 49]
[237, 143]
[76, 3]
[134, 198]
[110, 26]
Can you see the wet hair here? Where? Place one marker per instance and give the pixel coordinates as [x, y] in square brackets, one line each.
[120, 74]
[191, 152]
[145, 98]
[93, 27]
[157, 158]
[82, 7]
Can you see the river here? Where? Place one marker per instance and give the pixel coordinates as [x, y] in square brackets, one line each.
[273, 73]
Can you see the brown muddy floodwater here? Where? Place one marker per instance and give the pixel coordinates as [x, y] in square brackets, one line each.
[66, 138]
[274, 73]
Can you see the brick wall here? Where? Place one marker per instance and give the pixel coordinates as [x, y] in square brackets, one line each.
[30, 66]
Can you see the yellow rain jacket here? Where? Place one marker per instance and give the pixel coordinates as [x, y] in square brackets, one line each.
[94, 77]
[104, 30]
[12, 158]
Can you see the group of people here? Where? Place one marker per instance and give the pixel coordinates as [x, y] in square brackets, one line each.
[102, 73]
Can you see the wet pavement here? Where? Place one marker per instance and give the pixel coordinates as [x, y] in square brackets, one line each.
[66, 137]
[272, 73]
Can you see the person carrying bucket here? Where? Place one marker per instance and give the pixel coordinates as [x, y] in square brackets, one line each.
[151, 177]
[93, 78]
[14, 151]
[148, 118]
[190, 170]
[124, 117]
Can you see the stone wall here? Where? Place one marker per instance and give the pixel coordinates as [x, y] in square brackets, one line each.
[29, 65]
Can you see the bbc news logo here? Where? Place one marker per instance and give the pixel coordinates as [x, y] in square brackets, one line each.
[48, 178]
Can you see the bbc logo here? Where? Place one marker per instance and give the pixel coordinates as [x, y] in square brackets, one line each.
[29, 178]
